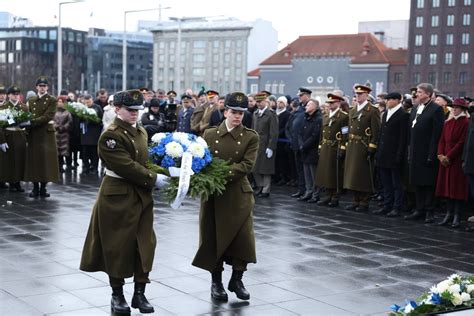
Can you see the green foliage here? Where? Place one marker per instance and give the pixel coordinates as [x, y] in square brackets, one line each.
[82, 113]
[19, 116]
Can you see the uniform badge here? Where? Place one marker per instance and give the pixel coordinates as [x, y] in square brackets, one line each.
[111, 143]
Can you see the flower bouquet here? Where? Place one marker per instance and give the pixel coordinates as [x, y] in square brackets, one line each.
[454, 293]
[12, 117]
[83, 112]
[186, 157]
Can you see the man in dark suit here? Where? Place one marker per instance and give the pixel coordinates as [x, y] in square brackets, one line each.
[425, 126]
[391, 153]
[185, 113]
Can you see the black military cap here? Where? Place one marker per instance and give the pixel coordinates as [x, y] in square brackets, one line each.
[154, 102]
[237, 101]
[171, 93]
[393, 95]
[42, 80]
[13, 89]
[186, 96]
[445, 97]
[3, 90]
[132, 99]
[468, 99]
[302, 91]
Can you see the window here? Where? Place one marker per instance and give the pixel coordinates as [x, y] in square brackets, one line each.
[254, 88]
[466, 19]
[18, 44]
[3, 58]
[227, 43]
[199, 58]
[462, 77]
[43, 34]
[416, 78]
[172, 45]
[435, 3]
[449, 39]
[238, 58]
[417, 59]
[434, 40]
[465, 39]
[434, 21]
[199, 44]
[70, 36]
[238, 43]
[226, 58]
[451, 3]
[420, 4]
[450, 20]
[227, 72]
[2, 45]
[447, 78]
[433, 58]
[418, 40]
[199, 71]
[11, 58]
[162, 45]
[397, 78]
[161, 58]
[432, 78]
[464, 58]
[419, 21]
[448, 58]
[215, 72]
[215, 44]
[467, 2]
[53, 34]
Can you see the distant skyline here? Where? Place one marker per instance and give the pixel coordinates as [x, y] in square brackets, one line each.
[291, 19]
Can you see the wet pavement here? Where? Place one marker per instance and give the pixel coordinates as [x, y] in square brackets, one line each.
[312, 260]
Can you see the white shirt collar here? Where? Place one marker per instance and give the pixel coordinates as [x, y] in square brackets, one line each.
[14, 104]
[361, 106]
[331, 113]
[460, 115]
[227, 126]
[42, 95]
[391, 111]
[260, 111]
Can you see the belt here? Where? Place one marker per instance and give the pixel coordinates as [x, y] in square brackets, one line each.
[112, 174]
[14, 129]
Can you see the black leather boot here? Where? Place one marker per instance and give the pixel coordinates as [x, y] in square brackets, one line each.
[42, 191]
[236, 285]
[414, 215]
[218, 292]
[429, 218]
[35, 192]
[457, 211]
[139, 300]
[305, 197]
[118, 304]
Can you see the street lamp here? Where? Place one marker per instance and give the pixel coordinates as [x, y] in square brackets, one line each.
[60, 45]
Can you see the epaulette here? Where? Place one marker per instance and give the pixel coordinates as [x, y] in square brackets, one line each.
[112, 127]
[344, 112]
[250, 130]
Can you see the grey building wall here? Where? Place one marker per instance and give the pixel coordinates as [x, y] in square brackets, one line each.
[393, 33]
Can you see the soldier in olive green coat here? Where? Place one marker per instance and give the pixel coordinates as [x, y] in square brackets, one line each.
[330, 171]
[226, 224]
[364, 126]
[15, 139]
[41, 153]
[121, 241]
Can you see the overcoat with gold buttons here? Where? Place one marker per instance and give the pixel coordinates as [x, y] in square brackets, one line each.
[41, 152]
[332, 139]
[364, 126]
[13, 161]
[121, 226]
[225, 221]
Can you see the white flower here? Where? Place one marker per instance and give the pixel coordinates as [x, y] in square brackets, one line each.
[158, 137]
[455, 288]
[470, 288]
[91, 112]
[457, 299]
[174, 149]
[454, 276]
[408, 309]
[443, 286]
[201, 141]
[182, 138]
[465, 297]
[434, 290]
[197, 150]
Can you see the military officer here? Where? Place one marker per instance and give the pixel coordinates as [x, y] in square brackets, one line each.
[364, 126]
[185, 113]
[226, 224]
[120, 240]
[41, 153]
[198, 112]
[330, 171]
[213, 97]
[13, 144]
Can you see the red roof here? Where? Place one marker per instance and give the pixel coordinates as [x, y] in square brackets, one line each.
[362, 47]
[254, 73]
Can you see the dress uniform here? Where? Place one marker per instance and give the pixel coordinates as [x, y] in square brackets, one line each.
[41, 153]
[364, 125]
[3, 97]
[120, 240]
[185, 114]
[13, 159]
[211, 108]
[330, 171]
[226, 224]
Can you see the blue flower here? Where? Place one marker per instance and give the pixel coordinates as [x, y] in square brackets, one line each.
[167, 162]
[436, 298]
[395, 308]
[198, 164]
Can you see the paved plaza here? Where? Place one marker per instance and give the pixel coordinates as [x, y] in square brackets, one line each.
[311, 260]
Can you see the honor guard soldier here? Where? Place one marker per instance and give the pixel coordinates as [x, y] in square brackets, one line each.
[120, 240]
[13, 144]
[330, 172]
[42, 164]
[226, 224]
[364, 126]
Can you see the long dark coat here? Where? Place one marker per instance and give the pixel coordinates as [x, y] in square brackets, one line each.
[41, 152]
[393, 140]
[90, 131]
[225, 221]
[266, 126]
[423, 145]
[196, 118]
[357, 170]
[12, 163]
[468, 151]
[63, 125]
[121, 226]
[326, 172]
[308, 137]
[452, 182]
[184, 120]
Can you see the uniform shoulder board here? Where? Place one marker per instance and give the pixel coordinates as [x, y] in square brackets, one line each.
[344, 112]
[375, 106]
[112, 127]
[250, 130]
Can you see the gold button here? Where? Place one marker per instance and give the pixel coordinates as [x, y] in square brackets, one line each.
[217, 142]
[133, 140]
[241, 134]
[137, 151]
[236, 152]
[230, 171]
[217, 132]
[150, 175]
[216, 152]
[238, 143]
[125, 132]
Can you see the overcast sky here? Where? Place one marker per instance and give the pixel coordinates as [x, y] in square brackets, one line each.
[290, 18]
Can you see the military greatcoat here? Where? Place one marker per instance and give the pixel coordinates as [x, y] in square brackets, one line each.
[13, 161]
[266, 126]
[41, 152]
[364, 126]
[332, 139]
[121, 226]
[225, 221]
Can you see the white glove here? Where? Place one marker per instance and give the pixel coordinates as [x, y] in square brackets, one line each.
[269, 153]
[161, 181]
[4, 147]
[175, 172]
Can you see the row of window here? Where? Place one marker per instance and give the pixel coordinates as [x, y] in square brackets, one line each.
[223, 86]
[201, 58]
[462, 79]
[466, 20]
[448, 58]
[465, 39]
[200, 71]
[435, 3]
[204, 44]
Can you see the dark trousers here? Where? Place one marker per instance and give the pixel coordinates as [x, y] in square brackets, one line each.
[471, 184]
[299, 170]
[424, 195]
[139, 276]
[237, 264]
[90, 157]
[393, 192]
[282, 170]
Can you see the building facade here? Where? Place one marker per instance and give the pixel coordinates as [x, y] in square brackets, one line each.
[393, 33]
[441, 49]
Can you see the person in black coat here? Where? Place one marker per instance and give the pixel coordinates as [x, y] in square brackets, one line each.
[468, 156]
[217, 117]
[391, 153]
[90, 133]
[308, 140]
[184, 114]
[425, 127]
[284, 154]
[154, 121]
